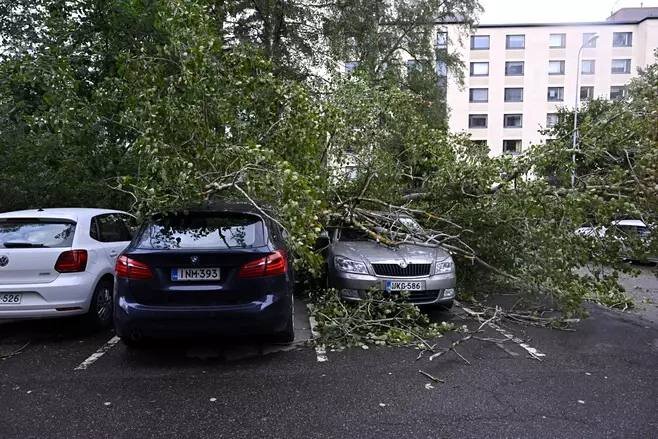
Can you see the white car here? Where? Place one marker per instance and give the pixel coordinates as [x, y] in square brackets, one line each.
[60, 262]
[623, 229]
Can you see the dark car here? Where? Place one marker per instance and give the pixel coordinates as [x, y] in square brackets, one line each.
[219, 271]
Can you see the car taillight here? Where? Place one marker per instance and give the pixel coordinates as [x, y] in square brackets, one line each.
[71, 261]
[131, 269]
[271, 265]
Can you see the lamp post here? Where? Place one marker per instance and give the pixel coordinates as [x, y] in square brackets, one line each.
[575, 111]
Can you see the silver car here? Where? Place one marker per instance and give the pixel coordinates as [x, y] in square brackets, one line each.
[357, 264]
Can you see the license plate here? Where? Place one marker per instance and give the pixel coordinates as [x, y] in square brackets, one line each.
[10, 298]
[396, 285]
[200, 274]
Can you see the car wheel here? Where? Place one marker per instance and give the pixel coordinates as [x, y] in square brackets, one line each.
[132, 342]
[100, 311]
[447, 305]
[288, 334]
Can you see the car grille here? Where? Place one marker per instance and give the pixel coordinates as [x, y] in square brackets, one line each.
[422, 296]
[394, 270]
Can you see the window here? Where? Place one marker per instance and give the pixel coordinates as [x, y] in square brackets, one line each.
[479, 42]
[130, 222]
[513, 121]
[479, 95]
[412, 66]
[199, 230]
[480, 143]
[351, 173]
[556, 67]
[588, 41]
[442, 40]
[551, 120]
[618, 92]
[109, 228]
[515, 42]
[586, 93]
[621, 66]
[557, 41]
[350, 66]
[514, 68]
[513, 95]
[555, 94]
[512, 146]
[35, 232]
[477, 120]
[441, 68]
[622, 39]
[479, 69]
[587, 67]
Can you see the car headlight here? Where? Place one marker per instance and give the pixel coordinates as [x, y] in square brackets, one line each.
[445, 266]
[349, 266]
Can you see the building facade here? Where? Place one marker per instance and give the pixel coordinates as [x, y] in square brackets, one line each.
[518, 75]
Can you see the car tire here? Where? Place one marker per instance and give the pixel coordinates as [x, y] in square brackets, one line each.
[133, 342]
[444, 306]
[288, 334]
[101, 308]
[447, 305]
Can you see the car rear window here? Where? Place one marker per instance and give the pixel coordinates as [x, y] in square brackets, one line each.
[203, 230]
[35, 232]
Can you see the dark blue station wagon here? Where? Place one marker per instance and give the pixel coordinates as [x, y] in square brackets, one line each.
[219, 271]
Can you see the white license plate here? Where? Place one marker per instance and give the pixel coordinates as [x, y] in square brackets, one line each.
[199, 274]
[10, 298]
[396, 285]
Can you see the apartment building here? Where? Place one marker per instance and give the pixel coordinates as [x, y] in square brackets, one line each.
[518, 75]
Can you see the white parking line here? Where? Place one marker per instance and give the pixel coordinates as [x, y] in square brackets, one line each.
[320, 350]
[99, 353]
[534, 353]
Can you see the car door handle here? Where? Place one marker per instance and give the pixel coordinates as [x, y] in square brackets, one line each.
[114, 253]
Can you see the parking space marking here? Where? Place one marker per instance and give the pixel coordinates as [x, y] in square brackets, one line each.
[534, 353]
[320, 349]
[99, 353]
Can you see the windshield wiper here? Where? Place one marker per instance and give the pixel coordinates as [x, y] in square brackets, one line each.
[20, 244]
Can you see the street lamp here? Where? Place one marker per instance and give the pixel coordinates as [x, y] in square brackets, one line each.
[575, 111]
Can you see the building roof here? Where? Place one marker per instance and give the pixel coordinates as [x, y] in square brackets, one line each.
[633, 14]
[622, 16]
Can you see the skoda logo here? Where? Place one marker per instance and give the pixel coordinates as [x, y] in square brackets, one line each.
[403, 264]
[194, 259]
[4, 260]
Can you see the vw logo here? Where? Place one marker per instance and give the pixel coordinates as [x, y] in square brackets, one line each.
[194, 260]
[4, 260]
[403, 264]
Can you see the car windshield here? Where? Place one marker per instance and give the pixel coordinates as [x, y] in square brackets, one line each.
[203, 230]
[33, 233]
[403, 225]
[350, 234]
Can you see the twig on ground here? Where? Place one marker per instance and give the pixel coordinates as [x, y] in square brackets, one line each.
[16, 352]
[436, 380]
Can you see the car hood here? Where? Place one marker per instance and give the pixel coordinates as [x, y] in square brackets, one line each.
[373, 252]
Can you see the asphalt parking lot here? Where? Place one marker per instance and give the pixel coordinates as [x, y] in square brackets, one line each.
[599, 381]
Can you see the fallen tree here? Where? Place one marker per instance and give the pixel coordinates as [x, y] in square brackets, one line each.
[186, 118]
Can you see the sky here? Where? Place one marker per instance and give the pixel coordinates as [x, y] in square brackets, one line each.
[545, 11]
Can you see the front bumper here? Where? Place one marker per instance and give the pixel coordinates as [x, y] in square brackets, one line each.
[438, 288]
[268, 315]
[69, 294]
